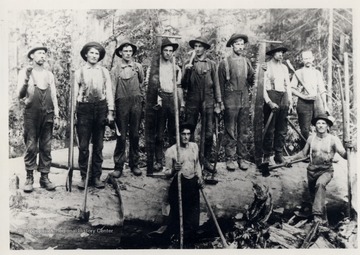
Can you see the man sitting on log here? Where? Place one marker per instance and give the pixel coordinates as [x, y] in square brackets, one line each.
[191, 180]
[321, 147]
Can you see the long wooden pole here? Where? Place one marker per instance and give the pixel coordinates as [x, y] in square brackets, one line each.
[330, 55]
[176, 107]
[71, 144]
[347, 135]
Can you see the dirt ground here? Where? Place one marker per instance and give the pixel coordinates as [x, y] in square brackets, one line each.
[42, 216]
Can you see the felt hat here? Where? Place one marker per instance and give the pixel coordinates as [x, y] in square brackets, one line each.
[201, 40]
[236, 36]
[275, 48]
[36, 47]
[125, 42]
[166, 42]
[95, 45]
[329, 119]
[186, 125]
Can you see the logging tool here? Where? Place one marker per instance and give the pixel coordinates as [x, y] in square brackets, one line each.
[176, 107]
[68, 183]
[345, 100]
[296, 130]
[84, 215]
[223, 240]
[290, 163]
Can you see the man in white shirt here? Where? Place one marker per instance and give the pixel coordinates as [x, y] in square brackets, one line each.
[310, 90]
[94, 108]
[277, 97]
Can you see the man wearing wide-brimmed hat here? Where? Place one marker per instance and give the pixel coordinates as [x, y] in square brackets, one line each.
[311, 93]
[37, 86]
[201, 82]
[277, 97]
[321, 147]
[94, 108]
[161, 87]
[128, 78]
[236, 76]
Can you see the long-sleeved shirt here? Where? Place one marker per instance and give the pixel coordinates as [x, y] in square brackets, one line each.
[238, 76]
[203, 73]
[312, 79]
[41, 78]
[93, 82]
[128, 79]
[189, 158]
[276, 78]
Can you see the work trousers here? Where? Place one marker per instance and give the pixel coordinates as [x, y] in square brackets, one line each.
[193, 110]
[128, 118]
[38, 130]
[305, 111]
[277, 130]
[318, 178]
[91, 121]
[190, 205]
[165, 120]
[236, 124]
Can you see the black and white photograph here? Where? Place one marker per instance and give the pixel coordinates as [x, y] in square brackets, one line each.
[180, 128]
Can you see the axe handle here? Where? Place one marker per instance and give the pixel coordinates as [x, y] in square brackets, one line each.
[284, 164]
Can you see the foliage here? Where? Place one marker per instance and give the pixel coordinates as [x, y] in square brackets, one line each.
[298, 28]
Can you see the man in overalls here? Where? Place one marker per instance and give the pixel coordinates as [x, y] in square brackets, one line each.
[277, 97]
[201, 82]
[95, 107]
[321, 147]
[236, 77]
[37, 86]
[128, 78]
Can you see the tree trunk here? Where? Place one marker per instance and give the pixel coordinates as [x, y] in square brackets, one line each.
[330, 53]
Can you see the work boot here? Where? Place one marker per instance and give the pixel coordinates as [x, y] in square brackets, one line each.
[208, 167]
[81, 184]
[28, 187]
[266, 159]
[46, 183]
[279, 158]
[230, 165]
[136, 171]
[98, 183]
[243, 165]
[158, 167]
[117, 173]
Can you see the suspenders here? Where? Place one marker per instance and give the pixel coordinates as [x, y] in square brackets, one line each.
[328, 147]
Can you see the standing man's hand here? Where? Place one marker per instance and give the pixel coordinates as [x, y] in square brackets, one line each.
[110, 119]
[219, 107]
[326, 109]
[28, 72]
[264, 66]
[56, 122]
[274, 107]
[201, 183]
[178, 167]
[188, 66]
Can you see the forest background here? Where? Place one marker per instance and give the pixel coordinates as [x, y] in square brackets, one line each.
[327, 32]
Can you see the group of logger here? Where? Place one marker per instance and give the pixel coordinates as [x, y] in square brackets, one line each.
[200, 88]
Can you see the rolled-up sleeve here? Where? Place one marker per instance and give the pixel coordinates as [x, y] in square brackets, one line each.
[109, 92]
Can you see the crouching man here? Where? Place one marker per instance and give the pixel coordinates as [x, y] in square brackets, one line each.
[191, 180]
[321, 147]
